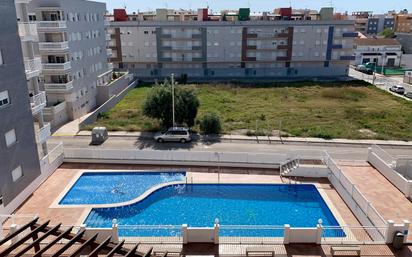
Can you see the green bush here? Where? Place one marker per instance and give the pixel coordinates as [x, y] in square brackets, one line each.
[210, 124]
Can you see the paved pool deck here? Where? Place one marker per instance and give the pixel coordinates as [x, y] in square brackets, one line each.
[384, 196]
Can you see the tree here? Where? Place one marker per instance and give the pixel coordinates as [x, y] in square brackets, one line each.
[210, 124]
[387, 33]
[158, 105]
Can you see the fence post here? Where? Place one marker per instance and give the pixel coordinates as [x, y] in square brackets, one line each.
[184, 233]
[13, 228]
[1, 230]
[406, 229]
[286, 234]
[216, 233]
[319, 232]
[390, 231]
[115, 231]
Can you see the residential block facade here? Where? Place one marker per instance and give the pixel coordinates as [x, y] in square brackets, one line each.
[72, 46]
[233, 49]
[19, 159]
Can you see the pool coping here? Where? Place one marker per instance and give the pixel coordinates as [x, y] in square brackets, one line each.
[56, 203]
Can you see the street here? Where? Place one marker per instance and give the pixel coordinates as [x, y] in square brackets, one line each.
[382, 81]
[338, 151]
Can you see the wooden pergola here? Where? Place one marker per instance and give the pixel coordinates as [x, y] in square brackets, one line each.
[81, 244]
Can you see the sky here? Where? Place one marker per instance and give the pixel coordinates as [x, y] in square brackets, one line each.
[376, 6]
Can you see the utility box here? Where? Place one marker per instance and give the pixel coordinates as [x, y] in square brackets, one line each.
[398, 240]
[99, 135]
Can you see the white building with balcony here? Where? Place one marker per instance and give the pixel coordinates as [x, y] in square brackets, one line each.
[72, 45]
[33, 67]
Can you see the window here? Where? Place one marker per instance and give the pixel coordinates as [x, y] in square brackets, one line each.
[4, 98]
[17, 173]
[1, 58]
[10, 138]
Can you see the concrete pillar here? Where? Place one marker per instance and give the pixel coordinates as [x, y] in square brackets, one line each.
[216, 233]
[1, 230]
[369, 153]
[13, 228]
[286, 234]
[319, 232]
[184, 233]
[406, 224]
[390, 232]
[115, 231]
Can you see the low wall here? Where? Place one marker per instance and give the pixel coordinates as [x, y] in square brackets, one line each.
[200, 235]
[105, 92]
[404, 185]
[305, 235]
[190, 158]
[109, 104]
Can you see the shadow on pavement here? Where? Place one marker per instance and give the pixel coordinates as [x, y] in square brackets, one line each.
[145, 140]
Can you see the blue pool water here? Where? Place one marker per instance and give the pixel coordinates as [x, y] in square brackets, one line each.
[115, 187]
[198, 205]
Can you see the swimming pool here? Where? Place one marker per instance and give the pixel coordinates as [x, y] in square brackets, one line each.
[198, 205]
[115, 187]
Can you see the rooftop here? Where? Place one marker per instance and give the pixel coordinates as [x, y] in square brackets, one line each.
[376, 41]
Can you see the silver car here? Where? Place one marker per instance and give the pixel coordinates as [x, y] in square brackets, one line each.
[174, 134]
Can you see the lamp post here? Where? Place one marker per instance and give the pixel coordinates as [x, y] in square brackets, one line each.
[173, 97]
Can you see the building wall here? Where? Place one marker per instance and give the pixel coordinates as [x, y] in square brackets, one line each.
[381, 53]
[406, 41]
[88, 56]
[235, 49]
[17, 115]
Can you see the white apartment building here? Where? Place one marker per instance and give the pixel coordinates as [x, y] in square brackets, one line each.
[233, 49]
[382, 51]
[72, 47]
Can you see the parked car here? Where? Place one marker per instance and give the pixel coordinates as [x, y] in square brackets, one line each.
[409, 95]
[174, 134]
[397, 89]
[364, 69]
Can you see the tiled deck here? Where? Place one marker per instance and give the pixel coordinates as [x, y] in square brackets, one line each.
[387, 199]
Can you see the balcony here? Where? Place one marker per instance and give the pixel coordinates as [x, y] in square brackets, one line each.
[56, 68]
[32, 67]
[22, 1]
[54, 46]
[109, 52]
[58, 87]
[28, 31]
[38, 102]
[51, 26]
[108, 37]
[42, 134]
[110, 66]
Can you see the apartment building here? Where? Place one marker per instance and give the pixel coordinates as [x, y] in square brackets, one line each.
[403, 23]
[235, 49]
[19, 159]
[382, 51]
[33, 67]
[72, 47]
[378, 23]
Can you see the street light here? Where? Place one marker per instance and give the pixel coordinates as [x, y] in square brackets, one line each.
[173, 98]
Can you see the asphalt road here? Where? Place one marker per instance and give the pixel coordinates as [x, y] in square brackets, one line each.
[381, 81]
[338, 151]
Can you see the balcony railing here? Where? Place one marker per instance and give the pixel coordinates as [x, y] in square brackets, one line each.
[109, 52]
[43, 133]
[58, 87]
[32, 67]
[110, 66]
[38, 102]
[56, 67]
[45, 26]
[108, 37]
[28, 31]
[54, 46]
